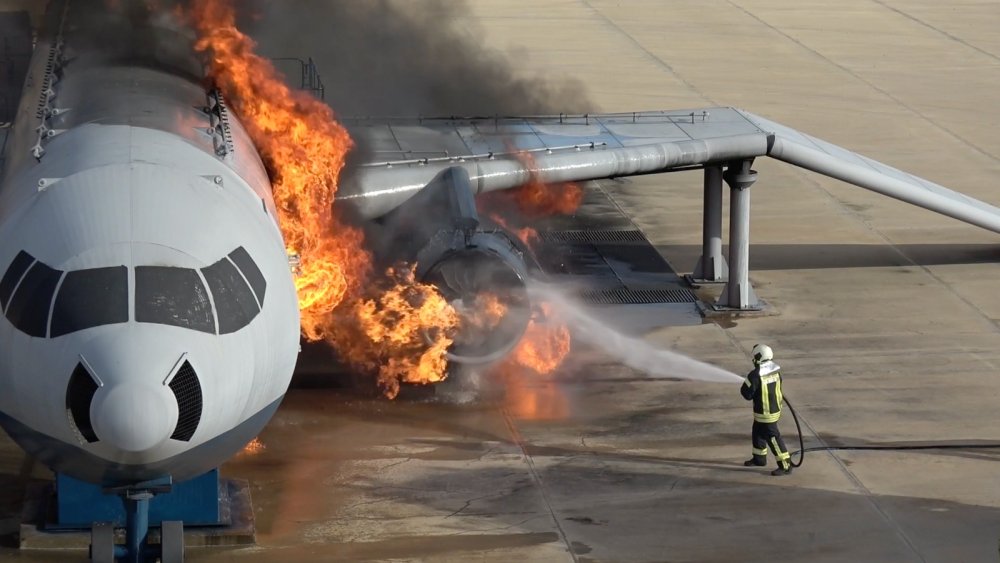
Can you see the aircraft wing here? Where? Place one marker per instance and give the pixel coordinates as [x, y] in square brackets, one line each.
[401, 156]
[808, 152]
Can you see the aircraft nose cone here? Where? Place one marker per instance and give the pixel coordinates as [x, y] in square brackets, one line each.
[133, 417]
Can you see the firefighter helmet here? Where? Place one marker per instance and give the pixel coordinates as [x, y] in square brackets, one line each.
[762, 353]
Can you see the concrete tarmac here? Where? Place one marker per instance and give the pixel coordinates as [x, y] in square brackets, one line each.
[887, 325]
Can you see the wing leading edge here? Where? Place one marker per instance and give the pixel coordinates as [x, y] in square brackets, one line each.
[404, 155]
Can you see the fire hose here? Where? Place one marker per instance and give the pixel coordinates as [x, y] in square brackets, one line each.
[882, 447]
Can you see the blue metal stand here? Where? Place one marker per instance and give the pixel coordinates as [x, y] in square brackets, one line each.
[135, 500]
[195, 502]
[137, 507]
[135, 550]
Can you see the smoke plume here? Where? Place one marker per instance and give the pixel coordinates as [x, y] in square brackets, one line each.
[140, 32]
[403, 58]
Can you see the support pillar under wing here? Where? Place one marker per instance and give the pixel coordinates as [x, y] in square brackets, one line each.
[711, 266]
[738, 294]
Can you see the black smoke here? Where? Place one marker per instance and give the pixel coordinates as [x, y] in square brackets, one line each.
[126, 32]
[403, 58]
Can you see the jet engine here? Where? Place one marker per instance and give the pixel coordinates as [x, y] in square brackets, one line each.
[481, 271]
[482, 274]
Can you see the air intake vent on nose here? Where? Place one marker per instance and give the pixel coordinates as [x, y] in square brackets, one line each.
[187, 390]
[79, 395]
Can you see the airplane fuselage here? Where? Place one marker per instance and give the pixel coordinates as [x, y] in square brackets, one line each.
[150, 322]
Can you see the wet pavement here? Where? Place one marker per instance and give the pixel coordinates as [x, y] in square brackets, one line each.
[887, 325]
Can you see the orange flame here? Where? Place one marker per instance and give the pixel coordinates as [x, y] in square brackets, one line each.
[493, 308]
[531, 200]
[545, 344]
[530, 392]
[485, 312]
[527, 235]
[387, 335]
[253, 447]
[536, 198]
[305, 148]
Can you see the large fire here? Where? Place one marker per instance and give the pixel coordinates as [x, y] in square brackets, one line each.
[385, 323]
[530, 394]
[387, 334]
[546, 341]
[304, 147]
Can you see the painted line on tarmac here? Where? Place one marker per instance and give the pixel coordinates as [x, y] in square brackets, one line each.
[515, 435]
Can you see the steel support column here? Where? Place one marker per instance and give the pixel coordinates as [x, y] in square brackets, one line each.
[136, 527]
[737, 293]
[711, 266]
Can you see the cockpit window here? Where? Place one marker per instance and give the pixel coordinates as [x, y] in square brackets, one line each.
[163, 295]
[87, 298]
[172, 296]
[251, 272]
[29, 307]
[234, 302]
[15, 272]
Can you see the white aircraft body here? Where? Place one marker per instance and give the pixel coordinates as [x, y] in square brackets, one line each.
[150, 320]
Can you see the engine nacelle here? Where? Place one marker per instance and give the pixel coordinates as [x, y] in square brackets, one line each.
[481, 272]
[483, 275]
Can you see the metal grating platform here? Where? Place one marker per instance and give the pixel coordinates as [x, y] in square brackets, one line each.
[593, 236]
[637, 296]
[606, 258]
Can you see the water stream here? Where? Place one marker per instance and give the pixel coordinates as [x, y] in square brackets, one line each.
[633, 352]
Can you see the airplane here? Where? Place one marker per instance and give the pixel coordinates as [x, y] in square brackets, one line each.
[150, 318]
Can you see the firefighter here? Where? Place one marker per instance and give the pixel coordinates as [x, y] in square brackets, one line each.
[763, 387]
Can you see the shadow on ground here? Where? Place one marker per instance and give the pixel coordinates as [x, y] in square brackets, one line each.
[833, 256]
